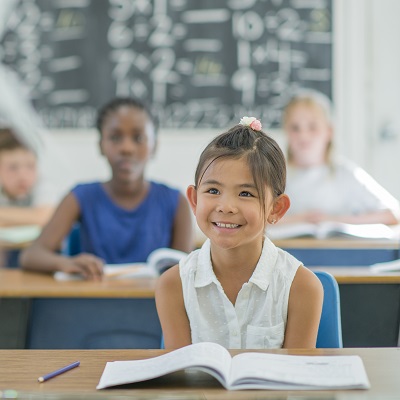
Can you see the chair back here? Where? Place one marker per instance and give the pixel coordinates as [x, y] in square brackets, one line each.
[72, 243]
[330, 326]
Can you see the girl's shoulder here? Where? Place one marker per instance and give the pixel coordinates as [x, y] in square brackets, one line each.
[163, 189]
[87, 192]
[286, 265]
[87, 187]
[189, 264]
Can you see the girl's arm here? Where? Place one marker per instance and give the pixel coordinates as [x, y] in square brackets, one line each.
[183, 234]
[304, 311]
[387, 217]
[35, 215]
[171, 310]
[42, 254]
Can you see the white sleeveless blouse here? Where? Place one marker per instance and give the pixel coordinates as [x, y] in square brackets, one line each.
[258, 318]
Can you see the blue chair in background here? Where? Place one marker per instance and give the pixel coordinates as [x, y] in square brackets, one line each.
[72, 243]
[330, 326]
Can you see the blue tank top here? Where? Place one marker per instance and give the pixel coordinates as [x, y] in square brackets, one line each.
[118, 235]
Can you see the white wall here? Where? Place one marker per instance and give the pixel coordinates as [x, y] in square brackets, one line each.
[366, 94]
[367, 86]
[384, 59]
[174, 163]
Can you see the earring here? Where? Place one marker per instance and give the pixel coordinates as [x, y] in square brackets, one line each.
[273, 221]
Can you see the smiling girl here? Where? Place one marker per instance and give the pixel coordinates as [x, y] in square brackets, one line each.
[239, 289]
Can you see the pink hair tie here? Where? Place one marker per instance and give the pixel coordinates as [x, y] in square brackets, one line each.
[252, 122]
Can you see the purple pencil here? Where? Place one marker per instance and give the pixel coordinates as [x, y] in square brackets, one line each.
[58, 372]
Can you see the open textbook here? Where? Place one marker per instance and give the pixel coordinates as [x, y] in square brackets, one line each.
[158, 261]
[389, 266]
[246, 370]
[328, 229]
[19, 234]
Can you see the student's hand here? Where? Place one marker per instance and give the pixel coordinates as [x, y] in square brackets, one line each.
[316, 216]
[88, 265]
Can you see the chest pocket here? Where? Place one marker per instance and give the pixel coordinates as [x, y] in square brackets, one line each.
[265, 337]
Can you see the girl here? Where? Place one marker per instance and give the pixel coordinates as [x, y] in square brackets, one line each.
[239, 290]
[319, 187]
[24, 198]
[122, 220]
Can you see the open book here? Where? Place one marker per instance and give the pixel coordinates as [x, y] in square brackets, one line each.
[389, 266]
[327, 229]
[158, 261]
[19, 234]
[246, 370]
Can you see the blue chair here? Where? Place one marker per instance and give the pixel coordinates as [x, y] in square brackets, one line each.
[72, 243]
[330, 326]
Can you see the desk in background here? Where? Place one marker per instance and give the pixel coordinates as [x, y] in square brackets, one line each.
[9, 253]
[341, 252]
[20, 369]
[44, 313]
[78, 314]
[370, 306]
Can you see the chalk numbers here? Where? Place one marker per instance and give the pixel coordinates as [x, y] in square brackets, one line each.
[199, 64]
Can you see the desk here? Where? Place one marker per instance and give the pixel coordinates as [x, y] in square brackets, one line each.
[80, 314]
[370, 306]
[13, 239]
[5, 245]
[9, 253]
[341, 252]
[55, 312]
[20, 369]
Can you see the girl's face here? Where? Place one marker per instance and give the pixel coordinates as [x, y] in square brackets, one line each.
[18, 172]
[128, 142]
[227, 206]
[309, 134]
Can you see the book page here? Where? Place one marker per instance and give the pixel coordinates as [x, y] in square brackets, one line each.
[164, 258]
[20, 234]
[114, 271]
[275, 371]
[389, 266]
[210, 357]
[365, 231]
[287, 231]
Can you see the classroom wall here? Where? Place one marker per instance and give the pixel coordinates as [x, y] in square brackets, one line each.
[363, 53]
[174, 163]
[366, 94]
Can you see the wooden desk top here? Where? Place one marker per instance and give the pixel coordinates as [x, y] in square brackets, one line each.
[19, 370]
[18, 283]
[337, 243]
[13, 246]
[364, 275]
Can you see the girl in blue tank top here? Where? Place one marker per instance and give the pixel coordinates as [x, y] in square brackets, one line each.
[124, 219]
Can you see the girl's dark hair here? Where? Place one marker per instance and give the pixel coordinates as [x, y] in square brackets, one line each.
[118, 102]
[263, 155]
[9, 141]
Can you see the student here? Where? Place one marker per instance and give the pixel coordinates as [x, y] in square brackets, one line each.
[321, 187]
[239, 290]
[23, 200]
[124, 219]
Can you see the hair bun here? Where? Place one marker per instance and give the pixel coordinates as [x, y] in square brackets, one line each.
[251, 122]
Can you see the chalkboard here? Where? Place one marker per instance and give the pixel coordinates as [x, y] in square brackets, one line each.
[198, 63]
